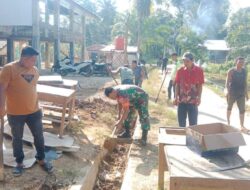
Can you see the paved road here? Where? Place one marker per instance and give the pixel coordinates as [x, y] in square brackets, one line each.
[213, 109]
[142, 167]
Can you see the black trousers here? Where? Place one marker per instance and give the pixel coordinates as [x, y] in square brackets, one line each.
[34, 122]
[171, 86]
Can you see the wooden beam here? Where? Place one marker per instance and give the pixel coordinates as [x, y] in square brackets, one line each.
[47, 55]
[10, 50]
[46, 19]
[1, 150]
[36, 29]
[71, 44]
[83, 46]
[56, 30]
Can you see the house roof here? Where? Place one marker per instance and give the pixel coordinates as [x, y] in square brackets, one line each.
[67, 5]
[216, 45]
[96, 47]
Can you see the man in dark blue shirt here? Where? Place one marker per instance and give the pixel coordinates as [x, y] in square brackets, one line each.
[164, 65]
[138, 73]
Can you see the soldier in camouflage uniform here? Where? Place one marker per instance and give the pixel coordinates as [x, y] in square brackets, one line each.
[130, 98]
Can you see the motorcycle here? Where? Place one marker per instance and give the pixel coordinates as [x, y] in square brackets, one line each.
[59, 64]
[101, 69]
[65, 66]
[82, 68]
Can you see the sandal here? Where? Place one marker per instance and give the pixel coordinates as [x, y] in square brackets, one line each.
[46, 166]
[18, 170]
[245, 130]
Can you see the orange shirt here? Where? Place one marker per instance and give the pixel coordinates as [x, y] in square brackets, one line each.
[21, 94]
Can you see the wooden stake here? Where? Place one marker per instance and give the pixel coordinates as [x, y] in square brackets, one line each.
[1, 151]
[109, 71]
[161, 86]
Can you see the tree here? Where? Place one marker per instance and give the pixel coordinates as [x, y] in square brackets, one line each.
[143, 11]
[204, 17]
[158, 34]
[238, 33]
[121, 28]
[188, 40]
[99, 31]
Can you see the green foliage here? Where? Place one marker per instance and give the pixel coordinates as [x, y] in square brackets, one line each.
[159, 31]
[204, 17]
[157, 34]
[189, 41]
[124, 21]
[238, 34]
[98, 31]
[143, 8]
[219, 68]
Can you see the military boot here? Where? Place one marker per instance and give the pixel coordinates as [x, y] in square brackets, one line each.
[144, 137]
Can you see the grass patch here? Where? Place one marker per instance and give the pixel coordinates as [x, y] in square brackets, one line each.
[163, 109]
[216, 89]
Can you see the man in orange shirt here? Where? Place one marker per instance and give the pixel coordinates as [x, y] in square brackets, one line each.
[18, 90]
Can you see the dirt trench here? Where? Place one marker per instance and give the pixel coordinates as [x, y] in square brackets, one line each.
[112, 169]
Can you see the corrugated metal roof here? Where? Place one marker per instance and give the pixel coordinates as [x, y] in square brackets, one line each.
[216, 45]
[130, 49]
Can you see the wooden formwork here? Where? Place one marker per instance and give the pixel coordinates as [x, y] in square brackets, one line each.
[190, 171]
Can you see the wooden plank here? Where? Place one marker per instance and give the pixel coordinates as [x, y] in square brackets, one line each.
[70, 83]
[54, 114]
[55, 79]
[1, 150]
[55, 120]
[63, 121]
[55, 94]
[162, 166]
[88, 182]
[181, 183]
[173, 130]
[46, 122]
[53, 107]
[185, 163]
[172, 136]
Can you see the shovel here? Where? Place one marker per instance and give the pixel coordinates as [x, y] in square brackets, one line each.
[109, 71]
[112, 141]
[1, 151]
[161, 86]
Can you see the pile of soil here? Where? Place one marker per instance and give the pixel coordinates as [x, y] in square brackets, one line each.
[112, 169]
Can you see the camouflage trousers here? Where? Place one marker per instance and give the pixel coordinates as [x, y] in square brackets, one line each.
[142, 108]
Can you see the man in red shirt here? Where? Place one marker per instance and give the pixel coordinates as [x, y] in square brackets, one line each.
[189, 80]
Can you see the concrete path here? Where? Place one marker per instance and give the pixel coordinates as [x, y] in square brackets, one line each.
[142, 169]
[213, 108]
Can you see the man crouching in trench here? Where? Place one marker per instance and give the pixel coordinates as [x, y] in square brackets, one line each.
[130, 98]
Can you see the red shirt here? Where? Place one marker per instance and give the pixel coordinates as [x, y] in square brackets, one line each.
[188, 80]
